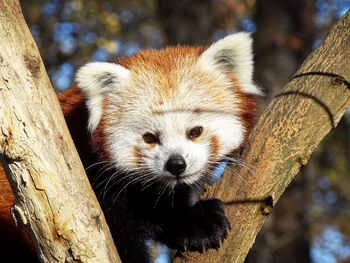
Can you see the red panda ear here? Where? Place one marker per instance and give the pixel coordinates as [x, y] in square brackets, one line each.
[232, 55]
[95, 80]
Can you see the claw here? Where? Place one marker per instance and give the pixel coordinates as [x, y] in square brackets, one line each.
[222, 241]
[203, 248]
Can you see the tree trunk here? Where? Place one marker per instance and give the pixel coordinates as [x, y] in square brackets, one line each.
[53, 199]
[284, 38]
[289, 130]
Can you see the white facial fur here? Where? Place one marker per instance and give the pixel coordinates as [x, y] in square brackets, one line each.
[173, 140]
[138, 102]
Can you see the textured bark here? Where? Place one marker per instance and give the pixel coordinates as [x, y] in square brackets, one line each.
[64, 221]
[284, 37]
[286, 134]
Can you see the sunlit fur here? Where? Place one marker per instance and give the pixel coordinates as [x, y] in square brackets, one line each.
[168, 92]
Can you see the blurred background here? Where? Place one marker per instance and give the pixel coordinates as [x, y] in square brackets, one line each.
[311, 222]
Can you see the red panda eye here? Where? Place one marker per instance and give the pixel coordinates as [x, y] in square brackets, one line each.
[150, 138]
[195, 132]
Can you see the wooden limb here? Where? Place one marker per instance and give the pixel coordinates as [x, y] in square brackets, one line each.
[289, 130]
[53, 199]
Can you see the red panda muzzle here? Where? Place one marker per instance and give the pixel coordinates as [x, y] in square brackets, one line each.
[175, 165]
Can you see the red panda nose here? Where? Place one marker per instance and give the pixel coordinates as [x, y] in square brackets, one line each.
[175, 165]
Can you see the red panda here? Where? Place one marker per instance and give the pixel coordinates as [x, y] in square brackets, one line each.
[150, 128]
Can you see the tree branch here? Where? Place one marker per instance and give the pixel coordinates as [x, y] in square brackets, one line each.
[53, 199]
[289, 130]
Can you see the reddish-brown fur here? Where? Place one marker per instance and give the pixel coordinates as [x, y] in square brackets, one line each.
[248, 110]
[158, 60]
[137, 156]
[162, 63]
[214, 146]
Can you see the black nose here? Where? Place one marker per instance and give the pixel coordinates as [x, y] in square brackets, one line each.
[175, 165]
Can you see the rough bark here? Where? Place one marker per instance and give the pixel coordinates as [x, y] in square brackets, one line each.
[285, 32]
[286, 134]
[64, 221]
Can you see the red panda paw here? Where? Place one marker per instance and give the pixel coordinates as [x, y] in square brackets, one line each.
[204, 226]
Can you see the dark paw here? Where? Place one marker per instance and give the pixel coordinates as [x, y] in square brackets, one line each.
[202, 227]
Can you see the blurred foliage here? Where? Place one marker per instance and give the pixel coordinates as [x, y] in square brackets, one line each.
[329, 209]
[70, 33]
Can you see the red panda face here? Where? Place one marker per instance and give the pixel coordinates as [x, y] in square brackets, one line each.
[170, 115]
